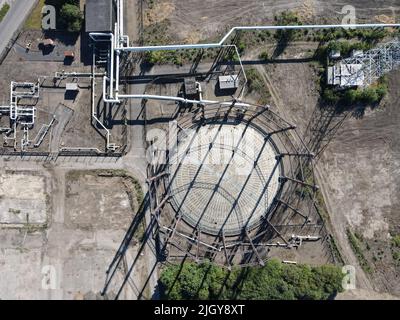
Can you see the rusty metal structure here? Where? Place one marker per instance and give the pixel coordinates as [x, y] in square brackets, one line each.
[239, 209]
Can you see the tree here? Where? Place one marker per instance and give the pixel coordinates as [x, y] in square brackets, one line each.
[59, 3]
[369, 96]
[71, 17]
[273, 281]
[287, 19]
[285, 36]
[330, 96]
[351, 96]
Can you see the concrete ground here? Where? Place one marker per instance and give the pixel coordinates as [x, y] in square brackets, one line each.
[69, 255]
[24, 199]
[70, 111]
[85, 217]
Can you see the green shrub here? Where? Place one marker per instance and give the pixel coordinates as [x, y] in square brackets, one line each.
[350, 96]
[255, 84]
[273, 281]
[330, 96]
[367, 35]
[355, 244]
[369, 96]
[71, 17]
[164, 57]
[396, 241]
[263, 56]
[287, 18]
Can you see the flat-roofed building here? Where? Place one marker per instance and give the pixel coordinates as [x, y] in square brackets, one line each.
[100, 15]
[228, 82]
[72, 86]
[351, 75]
[357, 53]
[346, 75]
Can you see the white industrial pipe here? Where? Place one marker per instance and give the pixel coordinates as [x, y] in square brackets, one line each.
[180, 99]
[220, 44]
[105, 99]
[198, 84]
[111, 73]
[124, 39]
[116, 46]
[121, 18]
[94, 113]
[117, 75]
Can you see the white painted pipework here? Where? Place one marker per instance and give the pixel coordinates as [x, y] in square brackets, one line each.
[220, 44]
[111, 73]
[180, 99]
[116, 47]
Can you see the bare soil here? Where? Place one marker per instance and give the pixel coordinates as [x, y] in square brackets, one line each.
[193, 20]
[357, 170]
[68, 258]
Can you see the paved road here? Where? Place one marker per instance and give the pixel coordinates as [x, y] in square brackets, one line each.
[13, 20]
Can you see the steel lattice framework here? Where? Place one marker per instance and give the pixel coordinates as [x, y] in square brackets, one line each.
[375, 62]
[290, 219]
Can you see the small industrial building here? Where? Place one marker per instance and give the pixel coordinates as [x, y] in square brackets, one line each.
[100, 15]
[346, 75]
[334, 54]
[357, 53]
[48, 43]
[72, 86]
[228, 82]
[69, 55]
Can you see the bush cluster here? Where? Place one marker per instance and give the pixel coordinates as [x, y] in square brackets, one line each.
[273, 281]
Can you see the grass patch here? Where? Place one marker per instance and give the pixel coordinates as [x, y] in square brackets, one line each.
[395, 248]
[156, 34]
[255, 84]
[3, 11]
[68, 19]
[34, 21]
[396, 241]
[355, 245]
